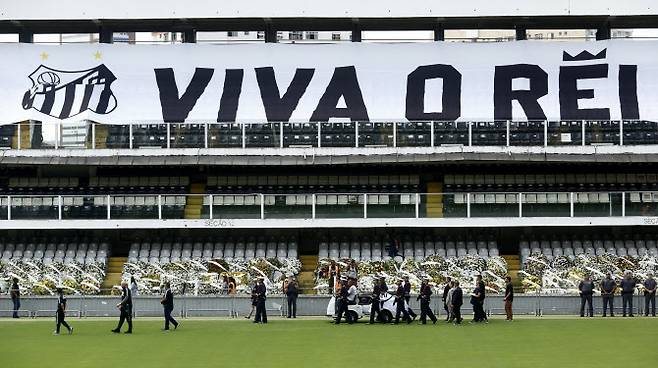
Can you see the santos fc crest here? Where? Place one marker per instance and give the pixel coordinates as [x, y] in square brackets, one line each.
[63, 94]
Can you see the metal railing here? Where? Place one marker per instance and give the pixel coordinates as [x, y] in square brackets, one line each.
[330, 205]
[90, 135]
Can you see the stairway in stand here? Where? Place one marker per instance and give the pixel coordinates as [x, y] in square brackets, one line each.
[194, 204]
[434, 203]
[24, 136]
[101, 131]
[513, 268]
[114, 271]
[306, 278]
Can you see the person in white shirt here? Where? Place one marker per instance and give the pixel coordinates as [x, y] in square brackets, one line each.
[351, 292]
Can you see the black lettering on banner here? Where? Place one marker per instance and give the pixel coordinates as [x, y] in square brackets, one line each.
[344, 83]
[228, 104]
[570, 94]
[279, 108]
[175, 108]
[628, 92]
[528, 99]
[451, 100]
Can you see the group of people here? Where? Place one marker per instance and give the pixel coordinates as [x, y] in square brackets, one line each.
[452, 300]
[609, 287]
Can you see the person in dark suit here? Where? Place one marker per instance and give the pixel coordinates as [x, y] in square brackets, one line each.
[292, 292]
[424, 297]
[401, 307]
[477, 300]
[15, 293]
[343, 307]
[456, 302]
[375, 306]
[261, 294]
[167, 302]
[61, 315]
[125, 307]
[407, 298]
[446, 290]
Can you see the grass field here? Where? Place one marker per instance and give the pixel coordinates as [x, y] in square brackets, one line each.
[529, 342]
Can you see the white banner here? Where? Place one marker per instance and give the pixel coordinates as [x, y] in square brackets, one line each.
[301, 82]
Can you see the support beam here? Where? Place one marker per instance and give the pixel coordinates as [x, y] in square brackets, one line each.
[521, 33]
[603, 32]
[356, 32]
[26, 37]
[105, 35]
[189, 36]
[439, 32]
[270, 34]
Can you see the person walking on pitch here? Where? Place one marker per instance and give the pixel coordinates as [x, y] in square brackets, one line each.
[401, 307]
[167, 302]
[375, 306]
[407, 298]
[342, 298]
[451, 315]
[424, 297]
[125, 307]
[61, 313]
[254, 300]
[456, 302]
[444, 298]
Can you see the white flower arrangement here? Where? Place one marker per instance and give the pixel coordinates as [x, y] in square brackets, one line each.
[204, 277]
[563, 274]
[36, 279]
[437, 268]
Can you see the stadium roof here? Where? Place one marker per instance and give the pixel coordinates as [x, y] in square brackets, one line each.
[128, 15]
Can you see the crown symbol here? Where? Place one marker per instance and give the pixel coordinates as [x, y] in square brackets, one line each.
[584, 55]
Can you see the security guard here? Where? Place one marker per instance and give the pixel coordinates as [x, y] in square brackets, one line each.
[407, 297]
[608, 288]
[261, 293]
[125, 307]
[627, 285]
[400, 304]
[424, 297]
[343, 306]
[375, 307]
[586, 288]
[61, 308]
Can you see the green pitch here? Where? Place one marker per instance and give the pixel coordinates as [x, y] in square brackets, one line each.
[526, 342]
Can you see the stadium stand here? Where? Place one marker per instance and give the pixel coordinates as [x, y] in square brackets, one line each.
[365, 134]
[593, 246]
[55, 250]
[416, 248]
[230, 249]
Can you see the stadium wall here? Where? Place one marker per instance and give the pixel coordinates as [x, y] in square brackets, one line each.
[307, 305]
